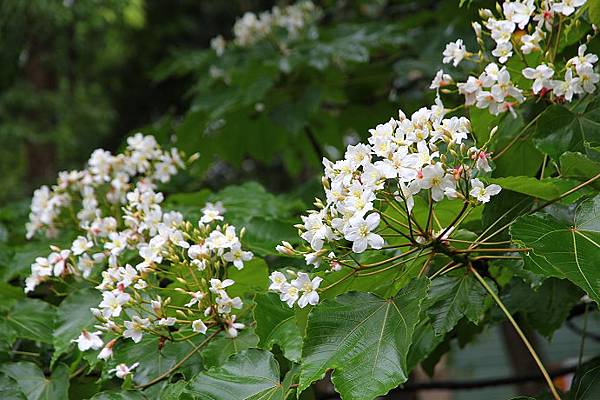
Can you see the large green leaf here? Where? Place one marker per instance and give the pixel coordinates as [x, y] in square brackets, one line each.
[220, 348]
[72, 316]
[454, 297]
[249, 375]
[365, 339]
[276, 324]
[564, 250]
[560, 129]
[35, 385]
[29, 319]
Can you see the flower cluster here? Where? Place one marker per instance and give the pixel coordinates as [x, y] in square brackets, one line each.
[251, 28]
[424, 155]
[301, 289]
[158, 254]
[103, 184]
[530, 33]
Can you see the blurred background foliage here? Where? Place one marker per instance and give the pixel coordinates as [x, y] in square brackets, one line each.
[82, 74]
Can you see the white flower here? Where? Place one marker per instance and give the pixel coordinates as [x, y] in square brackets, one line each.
[107, 351]
[81, 245]
[225, 303]
[289, 294]
[587, 78]
[567, 7]
[89, 340]
[518, 12]
[59, 261]
[455, 52]
[112, 303]
[217, 286]
[482, 193]
[122, 370]
[359, 231]
[582, 59]
[212, 212]
[531, 43]
[237, 256]
[440, 80]
[118, 243]
[316, 230]
[308, 288]
[503, 51]
[135, 328]
[502, 30]
[568, 87]
[277, 281]
[541, 75]
[436, 179]
[196, 297]
[218, 45]
[199, 326]
[233, 327]
[166, 321]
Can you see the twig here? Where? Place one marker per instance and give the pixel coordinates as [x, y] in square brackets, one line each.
[519, 332]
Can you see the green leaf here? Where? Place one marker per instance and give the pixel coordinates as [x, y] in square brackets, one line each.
[35, 385]
[254, 277]
[276, 324]
[9, 389]
[586, 383]
[72, 316]
[220, 348]
[482, 122]
[424, 341]
[594, 12]
[560, 130]
[564, 250]
[578, 166]
[364, 339]
[454, 297]
[155, 361]
[251, 374]
[29, 319]
[119, 395]
[545, 189]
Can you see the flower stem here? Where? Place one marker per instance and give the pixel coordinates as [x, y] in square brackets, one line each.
[519, 332]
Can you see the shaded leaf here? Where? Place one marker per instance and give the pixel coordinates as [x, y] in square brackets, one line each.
[35, 385]
[586, 383]
[72, 316]
[29, 319]
[454, 297]
[560, 130]
[276, 324]
[9, 389]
